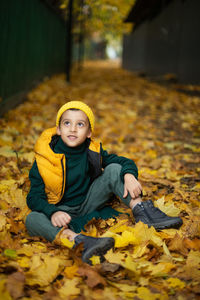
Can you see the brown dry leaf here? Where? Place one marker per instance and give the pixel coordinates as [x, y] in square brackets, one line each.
[177, 244]
[93, 279]
[192, 244]
[15, 285]
[193, 227]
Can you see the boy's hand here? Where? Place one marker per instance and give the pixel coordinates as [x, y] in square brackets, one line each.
[131, 186]
[60, 219]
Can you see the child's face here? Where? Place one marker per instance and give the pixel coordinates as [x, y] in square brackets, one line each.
[74, 128]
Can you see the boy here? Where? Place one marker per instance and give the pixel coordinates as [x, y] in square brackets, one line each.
[67, 183]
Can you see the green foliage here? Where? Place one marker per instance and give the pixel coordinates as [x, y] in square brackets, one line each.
[103, 16]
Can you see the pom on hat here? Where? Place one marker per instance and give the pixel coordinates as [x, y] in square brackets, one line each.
[77, 105]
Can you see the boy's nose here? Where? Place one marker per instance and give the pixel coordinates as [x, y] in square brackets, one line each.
[73, 127]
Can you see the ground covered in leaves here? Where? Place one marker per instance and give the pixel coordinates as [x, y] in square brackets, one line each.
[157, 126]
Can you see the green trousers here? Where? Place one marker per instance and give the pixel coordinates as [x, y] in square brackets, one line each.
[99, 194]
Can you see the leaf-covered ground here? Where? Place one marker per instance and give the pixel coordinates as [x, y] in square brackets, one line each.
[155, 125]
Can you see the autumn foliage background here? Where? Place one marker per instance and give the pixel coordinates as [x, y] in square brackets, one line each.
[156, 126]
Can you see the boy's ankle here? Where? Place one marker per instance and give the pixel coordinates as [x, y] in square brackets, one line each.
[69, 234]
[134, 202]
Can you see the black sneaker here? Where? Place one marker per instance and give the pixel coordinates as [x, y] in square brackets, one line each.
[147, 213]
[93, 246]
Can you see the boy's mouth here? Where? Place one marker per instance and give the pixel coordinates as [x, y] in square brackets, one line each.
[72, 137]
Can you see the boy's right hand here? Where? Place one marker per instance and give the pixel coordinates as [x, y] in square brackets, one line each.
[60, 219]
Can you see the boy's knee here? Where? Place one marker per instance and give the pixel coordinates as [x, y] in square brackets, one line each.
[113, 171]
[32, 218]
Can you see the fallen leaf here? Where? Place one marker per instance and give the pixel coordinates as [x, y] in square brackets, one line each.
[93, 279]
[43, 271]
[177, 244]
[175, 283]
[69, 288]
[168, 208]
[15, 285]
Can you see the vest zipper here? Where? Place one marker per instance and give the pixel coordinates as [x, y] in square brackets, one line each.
[63, 174]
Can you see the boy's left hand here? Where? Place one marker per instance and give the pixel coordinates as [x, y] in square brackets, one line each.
[131, 186]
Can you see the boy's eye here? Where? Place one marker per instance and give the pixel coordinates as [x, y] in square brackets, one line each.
[80, 124]
[67, 123]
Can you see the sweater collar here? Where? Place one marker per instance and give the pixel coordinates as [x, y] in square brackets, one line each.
[61, 147]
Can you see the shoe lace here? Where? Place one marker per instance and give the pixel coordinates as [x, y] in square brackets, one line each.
[141, 206]
[156, 209]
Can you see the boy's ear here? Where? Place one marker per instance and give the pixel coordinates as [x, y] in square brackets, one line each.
[89, 133]
[58, 130]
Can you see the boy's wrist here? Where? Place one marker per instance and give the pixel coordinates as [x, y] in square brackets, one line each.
[129, 175]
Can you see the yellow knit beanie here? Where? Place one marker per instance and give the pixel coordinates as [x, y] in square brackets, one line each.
[78, 105]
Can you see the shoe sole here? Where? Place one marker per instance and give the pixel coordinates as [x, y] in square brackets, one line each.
[166, 225]
[98, 250]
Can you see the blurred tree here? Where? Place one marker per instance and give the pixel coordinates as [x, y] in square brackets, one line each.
[103, 16]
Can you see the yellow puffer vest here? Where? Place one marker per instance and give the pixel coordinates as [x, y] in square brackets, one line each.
[52, 166]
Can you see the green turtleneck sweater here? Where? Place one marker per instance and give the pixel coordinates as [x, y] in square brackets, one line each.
[78, 179]
[77, 173]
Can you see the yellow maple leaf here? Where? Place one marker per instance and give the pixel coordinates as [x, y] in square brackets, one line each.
[160, 269]
[131, 265]
[91, 231]
[43, 271]
[65, 242]
[2, 221]
[4, 294]
[123, 287]
[138, 235]
[120, 226]
[69, 288]
[95, 260]
[114, 257]
[6, 184]
[110, 221]
[139, 251]
[24, 262]
[168, 208]
[168, 233]
[144, 234]
[193, 259]
[145, 294]
[175, 283]
[125, 239]
[71, 271]
[29, 250]
[196, 187]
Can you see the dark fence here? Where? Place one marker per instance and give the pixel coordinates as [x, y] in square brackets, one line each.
[169, 43]
[33, 45]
